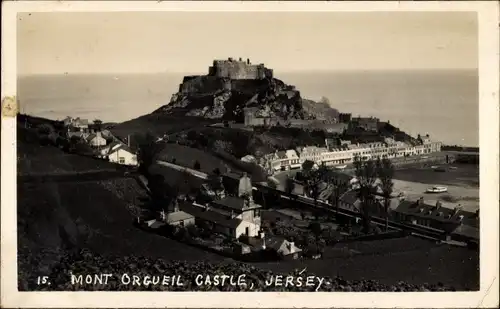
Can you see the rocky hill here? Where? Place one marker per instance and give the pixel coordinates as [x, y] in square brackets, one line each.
[213, 97]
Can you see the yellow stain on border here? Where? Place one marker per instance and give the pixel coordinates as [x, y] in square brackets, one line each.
[9, 106]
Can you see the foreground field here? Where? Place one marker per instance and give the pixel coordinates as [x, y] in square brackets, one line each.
[390, 261]
[54, 219]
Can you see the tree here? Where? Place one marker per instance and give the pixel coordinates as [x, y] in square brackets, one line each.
[339, 188]
[307, 166]
[385, 173]
[315, 228]
[161, 193]
[148, 152]
[289, 185]
[97, 124]
[197, 165]
[366, 174]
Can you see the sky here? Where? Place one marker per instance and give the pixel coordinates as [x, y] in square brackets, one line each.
[151, 42]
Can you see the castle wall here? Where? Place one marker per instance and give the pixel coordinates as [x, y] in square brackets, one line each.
[233, 69]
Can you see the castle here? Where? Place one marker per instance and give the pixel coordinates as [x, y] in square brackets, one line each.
[226, 74]
[239, 69]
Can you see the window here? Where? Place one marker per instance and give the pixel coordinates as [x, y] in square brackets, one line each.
[121, 160]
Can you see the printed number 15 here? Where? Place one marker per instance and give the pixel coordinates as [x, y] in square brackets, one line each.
[43, 280]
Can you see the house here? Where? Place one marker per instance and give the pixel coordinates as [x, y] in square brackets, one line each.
[232, 215]
[293, 159]
[96, 140]
[286, 249]
[435, 216]
[121, 154]
[76, 123]
[350, 200]
[177, 217]
[283, 248]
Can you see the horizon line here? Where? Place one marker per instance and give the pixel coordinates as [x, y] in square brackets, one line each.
[279, 72]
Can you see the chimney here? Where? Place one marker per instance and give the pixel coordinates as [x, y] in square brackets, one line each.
[240, 59]
[248, 60]
[232, 214]
[438, 205]
[128, 140]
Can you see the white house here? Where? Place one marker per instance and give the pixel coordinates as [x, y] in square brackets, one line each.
[121, 154]
[96, 140]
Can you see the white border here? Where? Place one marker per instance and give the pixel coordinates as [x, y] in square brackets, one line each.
[489, 175]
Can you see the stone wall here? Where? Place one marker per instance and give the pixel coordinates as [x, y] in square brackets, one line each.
[234, 69]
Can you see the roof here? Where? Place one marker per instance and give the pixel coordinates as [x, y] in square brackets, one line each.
[121, 146]
[291, 154]
[467, 231]
[177, 216]
[210, 215]
[281, 154]
[276, 243]
[94, 135]
[350, 198]
[442, 214]
[234, 202]
[154, 224]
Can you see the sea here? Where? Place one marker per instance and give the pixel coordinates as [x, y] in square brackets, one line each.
[443, 104]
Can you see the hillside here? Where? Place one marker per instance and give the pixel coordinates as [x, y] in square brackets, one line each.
[215, 97]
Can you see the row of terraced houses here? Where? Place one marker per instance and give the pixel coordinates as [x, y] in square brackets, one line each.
[333, 154]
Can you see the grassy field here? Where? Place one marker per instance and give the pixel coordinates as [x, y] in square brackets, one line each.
[158, 124]
[390, 261]
[187, 156]
[34, 158]
[55, 218]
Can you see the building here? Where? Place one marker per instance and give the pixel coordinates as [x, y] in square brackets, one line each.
[435, 216]
[283, 160]
[120, 153]
[239, 69]
[76, 124]
[233, 216]
[339, 154]
[285, 249]
[177, 217]
[96, 140]
[366, 123]
[345, 117]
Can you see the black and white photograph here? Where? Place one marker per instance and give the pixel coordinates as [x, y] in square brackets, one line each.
[259, 150]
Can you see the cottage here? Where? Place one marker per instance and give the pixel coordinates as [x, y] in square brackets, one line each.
[286, 249]
[231, 215]
[178, 218]
[121, 154]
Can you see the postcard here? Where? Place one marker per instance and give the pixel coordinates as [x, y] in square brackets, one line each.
[250, 154]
